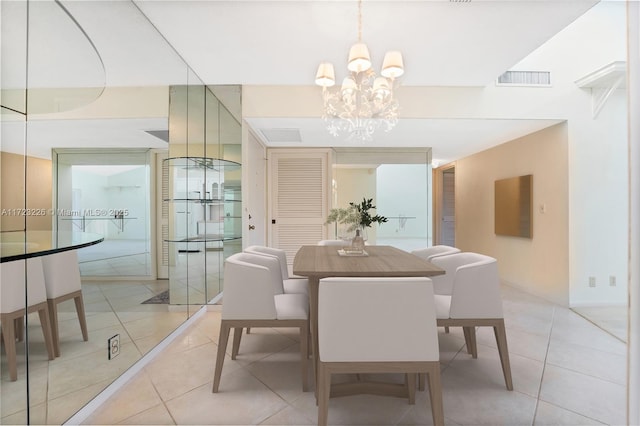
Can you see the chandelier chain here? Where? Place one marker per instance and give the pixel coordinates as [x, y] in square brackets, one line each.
[359, 21]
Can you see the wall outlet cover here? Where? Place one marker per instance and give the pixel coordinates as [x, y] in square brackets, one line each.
[113, 346]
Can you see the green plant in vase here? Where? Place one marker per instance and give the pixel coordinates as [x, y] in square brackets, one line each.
[357, 217]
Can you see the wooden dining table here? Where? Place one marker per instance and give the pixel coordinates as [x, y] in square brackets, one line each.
[317, 262]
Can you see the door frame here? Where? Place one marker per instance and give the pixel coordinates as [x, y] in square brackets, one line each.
[438, 200]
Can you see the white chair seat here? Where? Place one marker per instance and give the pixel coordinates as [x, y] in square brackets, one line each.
[292, 306]
[443, 305]
[296, 285]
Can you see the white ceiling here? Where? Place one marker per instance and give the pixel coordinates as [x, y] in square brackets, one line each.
[262, 42]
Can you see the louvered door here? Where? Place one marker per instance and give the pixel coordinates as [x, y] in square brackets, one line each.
[298, 198]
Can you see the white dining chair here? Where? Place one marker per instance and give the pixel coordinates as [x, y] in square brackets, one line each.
[355, 338]
[290, 284]
[429, 253]
[252, 297]
[14, 307]
[62, 281]
[468, 296]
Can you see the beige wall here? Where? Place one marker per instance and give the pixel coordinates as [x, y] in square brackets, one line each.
[539, 265]
[37, 207]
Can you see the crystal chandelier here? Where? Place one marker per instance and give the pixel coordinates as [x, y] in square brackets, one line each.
[365, 102]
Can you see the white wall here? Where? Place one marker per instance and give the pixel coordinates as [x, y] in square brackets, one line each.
[598, 168]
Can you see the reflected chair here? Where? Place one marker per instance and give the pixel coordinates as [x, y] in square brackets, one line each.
[468, 296]
[62, 280]
[253, 298]
[355, 338]
[12, 305]
[429, 253]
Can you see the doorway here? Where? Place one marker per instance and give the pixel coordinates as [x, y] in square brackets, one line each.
[107, 193]
[445, 205]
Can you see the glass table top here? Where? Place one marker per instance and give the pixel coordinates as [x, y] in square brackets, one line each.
[16, 245]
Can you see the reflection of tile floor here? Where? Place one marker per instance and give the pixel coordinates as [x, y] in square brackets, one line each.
[60, 387]
[609, 318]
[565, 370]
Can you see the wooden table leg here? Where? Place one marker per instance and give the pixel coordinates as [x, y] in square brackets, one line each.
[314, 284]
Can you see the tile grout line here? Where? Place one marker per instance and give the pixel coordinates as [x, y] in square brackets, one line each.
[544, 368]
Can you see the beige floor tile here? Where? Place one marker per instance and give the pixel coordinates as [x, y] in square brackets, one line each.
[73, 374]
[612, 319]
[72, 346]
[548, 414]
[37, 416]
[174, 375]
[583, 394]
[486, 371]
[357, 409]
[289, 416]
[604, 365]
[420, 413]
[520, 342]
[259, 344]
[242, 400]
[281, 373]
[12, 397]
[158, 415]
[150, 326]
[450, 344]
[136, 397]
[569, 327]
[59, 410]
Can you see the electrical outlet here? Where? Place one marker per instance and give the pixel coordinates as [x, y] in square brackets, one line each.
[612, 280]
[113, 346]
[592, 281]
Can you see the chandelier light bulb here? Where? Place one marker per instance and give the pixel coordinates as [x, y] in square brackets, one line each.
[392, 66]
[359, 59]
[381, 87]
[325, 76]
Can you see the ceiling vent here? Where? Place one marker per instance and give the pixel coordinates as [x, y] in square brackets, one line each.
[525, 78]
[281, 135]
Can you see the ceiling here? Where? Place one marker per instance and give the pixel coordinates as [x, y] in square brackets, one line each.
[444, 43]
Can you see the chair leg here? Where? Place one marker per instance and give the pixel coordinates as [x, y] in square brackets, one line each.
[421, 381]
[222, 349]
[81, 316]
[248, 330]
[9, 335]
[324, 390]
[435, 395]
[410, 381]
[304, 355]
[503, 350]
[19, 328]
[237, 335]
[55, 331]
[470, 340]
[46, 330]
[446, 328]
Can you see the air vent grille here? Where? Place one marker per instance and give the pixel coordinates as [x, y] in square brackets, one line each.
[525, 78]
[281, 135]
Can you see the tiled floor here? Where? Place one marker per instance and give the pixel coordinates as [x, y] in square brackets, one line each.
[566, 371]
[609, 318]
[60, 387]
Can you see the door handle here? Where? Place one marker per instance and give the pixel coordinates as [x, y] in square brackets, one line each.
[252, 227]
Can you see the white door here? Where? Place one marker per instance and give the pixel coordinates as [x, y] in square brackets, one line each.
[298, 201]
[162, 216]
